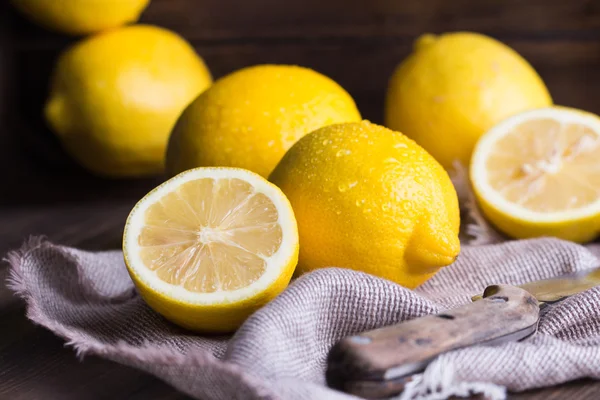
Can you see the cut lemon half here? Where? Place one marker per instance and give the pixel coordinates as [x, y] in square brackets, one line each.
[210, 246]
[538, 174]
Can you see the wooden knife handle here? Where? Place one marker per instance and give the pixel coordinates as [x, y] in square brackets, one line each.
[378, 363]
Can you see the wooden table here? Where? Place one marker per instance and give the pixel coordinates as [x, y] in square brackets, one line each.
[356, 43]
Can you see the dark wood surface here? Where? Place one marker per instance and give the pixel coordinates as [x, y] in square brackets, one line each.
[357, 43]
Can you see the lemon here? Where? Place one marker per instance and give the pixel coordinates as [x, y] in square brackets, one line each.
[78, 17]
[251, 117]
[454, 87]
[370, 199]
[210, 246]
[537, 174]
[115, 98]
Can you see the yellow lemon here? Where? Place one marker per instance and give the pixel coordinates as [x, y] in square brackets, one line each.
[249, 119]
[370, 199]
[537, 174]
[115, 97]
[210, 246]
[78, 17]
[454, 87]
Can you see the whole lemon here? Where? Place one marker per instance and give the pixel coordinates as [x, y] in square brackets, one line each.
[115, 97]
[370, 199]
[456, 86]
[78, 17]
[251, 117]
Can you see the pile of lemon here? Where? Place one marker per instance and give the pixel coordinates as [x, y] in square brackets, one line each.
[272, 171]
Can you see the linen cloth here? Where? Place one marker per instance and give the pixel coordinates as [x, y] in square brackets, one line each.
[88, 299]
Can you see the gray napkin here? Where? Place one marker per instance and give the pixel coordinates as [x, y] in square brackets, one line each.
[279, 353]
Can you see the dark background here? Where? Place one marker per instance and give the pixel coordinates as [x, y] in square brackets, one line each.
[357, 43]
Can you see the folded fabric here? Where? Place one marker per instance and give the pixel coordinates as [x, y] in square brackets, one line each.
[88, 299]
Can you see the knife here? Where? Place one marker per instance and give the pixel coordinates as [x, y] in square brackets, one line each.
[378, 363]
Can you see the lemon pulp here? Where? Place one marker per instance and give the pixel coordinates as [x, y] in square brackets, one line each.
[210, 235]
[542, 157]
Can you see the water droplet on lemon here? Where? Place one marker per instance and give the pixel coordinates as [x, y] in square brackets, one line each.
[342, 187]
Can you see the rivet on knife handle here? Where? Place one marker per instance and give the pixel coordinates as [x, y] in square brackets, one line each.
[377, 363]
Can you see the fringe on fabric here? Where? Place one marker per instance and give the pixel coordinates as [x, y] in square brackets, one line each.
[437, 383]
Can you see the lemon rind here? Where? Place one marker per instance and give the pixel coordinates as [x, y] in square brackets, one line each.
[276, 264]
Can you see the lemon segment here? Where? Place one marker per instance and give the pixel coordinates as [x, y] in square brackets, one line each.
[537, 174]
[210, 246]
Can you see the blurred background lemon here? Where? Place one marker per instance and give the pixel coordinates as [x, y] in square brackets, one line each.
[115, 97]
[370, 199]
[78, 17]
[251, 117]
[456, 86]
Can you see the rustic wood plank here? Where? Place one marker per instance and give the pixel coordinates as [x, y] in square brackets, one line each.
[211, 20]
[577, 390]
[315, 18]
[358, 46]
[34, 364]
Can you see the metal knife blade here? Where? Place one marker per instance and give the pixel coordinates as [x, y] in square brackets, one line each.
[378, 363]
[552, 290]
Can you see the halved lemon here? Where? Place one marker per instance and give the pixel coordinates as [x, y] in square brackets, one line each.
[210, 246]
[538, 174]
